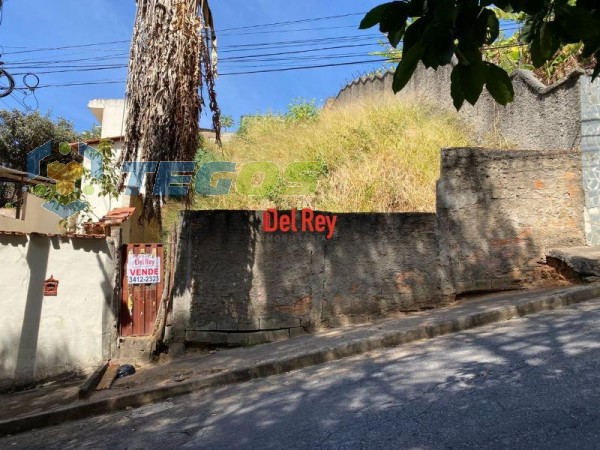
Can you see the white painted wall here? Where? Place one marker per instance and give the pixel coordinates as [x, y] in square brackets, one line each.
[46, 336]
[110, 114]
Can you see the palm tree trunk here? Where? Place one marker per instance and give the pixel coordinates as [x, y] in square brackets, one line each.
[172, 61]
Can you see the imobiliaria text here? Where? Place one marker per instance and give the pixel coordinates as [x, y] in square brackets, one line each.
[310, 222]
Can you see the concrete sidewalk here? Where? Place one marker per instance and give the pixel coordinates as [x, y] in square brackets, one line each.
[58, 403]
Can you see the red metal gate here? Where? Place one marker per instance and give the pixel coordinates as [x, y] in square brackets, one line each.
[142, 288]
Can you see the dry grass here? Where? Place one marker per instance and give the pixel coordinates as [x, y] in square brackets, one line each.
[376, 157]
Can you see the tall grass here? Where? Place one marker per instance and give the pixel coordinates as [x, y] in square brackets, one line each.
[381, 157]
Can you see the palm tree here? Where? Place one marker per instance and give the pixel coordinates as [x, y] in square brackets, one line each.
[172, 63]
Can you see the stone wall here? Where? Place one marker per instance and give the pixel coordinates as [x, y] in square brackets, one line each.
[231, 277]
[498, 212]
[540, 118]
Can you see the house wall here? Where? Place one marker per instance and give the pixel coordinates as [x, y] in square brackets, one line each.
[497, 214]
[35, 218]
[41, 336]
[110, 114]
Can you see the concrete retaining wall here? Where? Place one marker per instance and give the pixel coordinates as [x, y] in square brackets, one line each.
[540, 118]
[47, 336]
[232, 277]
[499, 211]
[497, 214]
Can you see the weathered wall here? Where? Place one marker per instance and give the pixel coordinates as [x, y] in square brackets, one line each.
[380, 264]
[46, 336]
[498, 212]
[35, 218]
[540, 118]
[590, 148]
[230, 276]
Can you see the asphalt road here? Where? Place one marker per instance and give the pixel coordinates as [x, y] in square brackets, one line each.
[528, 383]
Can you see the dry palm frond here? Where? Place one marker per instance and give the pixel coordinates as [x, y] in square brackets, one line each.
[173, 59]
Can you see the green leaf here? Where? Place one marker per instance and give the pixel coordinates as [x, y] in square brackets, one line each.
[537, 56]
[438, 45]
[407, 66]
[394, 18]
[396, 36]
[493, 25]
[578, 22]
[445, 11]
[590, 47]
[472, 78]
[548, 42]
[374, 16]
[499, 85]
[531, 7]
[468, 53]
[486, 28]
[458, 97]
[414, 32]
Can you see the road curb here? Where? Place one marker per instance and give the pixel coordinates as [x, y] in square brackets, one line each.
[90, 384]
[275, 367]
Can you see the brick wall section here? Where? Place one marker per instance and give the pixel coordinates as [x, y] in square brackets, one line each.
[499, 211]
[540, 118]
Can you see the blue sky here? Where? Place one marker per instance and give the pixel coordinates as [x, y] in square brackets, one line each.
[33, 24]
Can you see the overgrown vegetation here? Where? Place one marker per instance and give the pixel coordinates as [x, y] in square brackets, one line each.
[509, 53]
[369, 157]
[433, 33]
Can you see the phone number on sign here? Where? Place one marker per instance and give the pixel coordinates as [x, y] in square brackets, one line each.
[144, 280]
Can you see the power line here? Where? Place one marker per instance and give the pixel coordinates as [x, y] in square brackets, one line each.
[270, 70]
[250, 33]
[265, 57]
[224, 31]
[284, 69]
[43, 63]
[290, 22]
[239, 48]
[94, 68]
[47, 49]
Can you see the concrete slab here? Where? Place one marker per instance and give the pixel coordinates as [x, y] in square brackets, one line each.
[585, 261]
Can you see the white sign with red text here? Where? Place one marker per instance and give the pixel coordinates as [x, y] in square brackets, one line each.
[143, 269]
